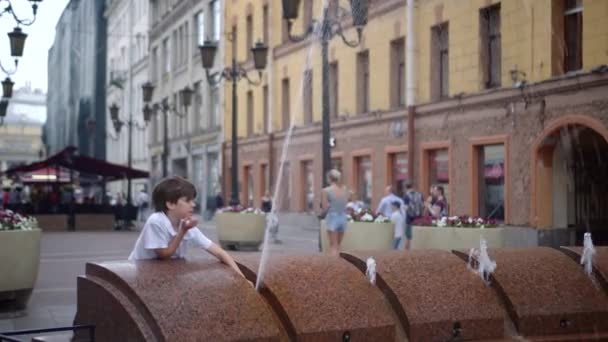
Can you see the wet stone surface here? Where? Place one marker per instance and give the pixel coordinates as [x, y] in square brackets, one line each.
[547, 294]
[323, 298]
[176, 300]
[435, 296]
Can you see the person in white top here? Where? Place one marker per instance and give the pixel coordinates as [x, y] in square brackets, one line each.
[385, 208]
[171, 230]
[399, 223]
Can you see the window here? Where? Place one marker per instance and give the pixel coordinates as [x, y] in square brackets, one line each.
[284, 31]
[307, 21]
[249, 113]
[249, 41]
[364, 179]
[264, 172]
[213, 175]
[249, 195]
[397, 77]
[333, 90]
[174, 50]
[266, 24]
[199, 19]
[308, 186]
[234, 42]
[439, 169]
[286, 187]
[363, 82]
[214, 106]
[155, 66]
[489, 27]
[491, 181]
[265, 129]
[198, 105]
[439, 62]
[398, 175]
[285, 105]
[573, 35]
[307, 96]
[166, 57]
[216, 20]
[333, 8]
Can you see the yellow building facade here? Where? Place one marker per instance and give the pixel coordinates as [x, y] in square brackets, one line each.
[528, 42]
[488, 76]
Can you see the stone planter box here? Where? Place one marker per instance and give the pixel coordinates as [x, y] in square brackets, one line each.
[52, 222]
[240, 231]
[361, 236]
[19, 261]
[447, 238]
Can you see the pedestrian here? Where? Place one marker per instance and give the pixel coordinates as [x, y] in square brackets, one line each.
[384, 208]
[438, 208]
[219, 201]
[267, 208]
[414, 209]
[398, 221]
[333, 202]
[142, 201]
[171, 229]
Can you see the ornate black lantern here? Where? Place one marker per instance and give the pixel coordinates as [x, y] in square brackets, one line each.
[114, 112]
[260, 54]
[290, 9]
[7, 88]
[17, 40]
[208, 51]
[359, 10]
[186, 96]
[147, 91]
[117, 125]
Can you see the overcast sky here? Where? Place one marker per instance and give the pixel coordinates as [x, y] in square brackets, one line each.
[33, 64]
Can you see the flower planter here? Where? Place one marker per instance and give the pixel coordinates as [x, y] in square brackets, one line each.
[19, 261]
[362, 236]
[240, 231]
[449, 238]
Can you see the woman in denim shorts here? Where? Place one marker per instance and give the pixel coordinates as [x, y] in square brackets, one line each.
[334, 199]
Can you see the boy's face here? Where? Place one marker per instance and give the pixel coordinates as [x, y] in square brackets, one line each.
[183, 208]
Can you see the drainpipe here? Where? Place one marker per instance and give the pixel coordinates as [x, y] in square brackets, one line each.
[410, 88]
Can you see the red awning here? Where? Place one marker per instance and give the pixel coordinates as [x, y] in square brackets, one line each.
[70, 160]
[46, 175]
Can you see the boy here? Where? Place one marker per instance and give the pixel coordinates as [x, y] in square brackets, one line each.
[399, 222]
[169, 231]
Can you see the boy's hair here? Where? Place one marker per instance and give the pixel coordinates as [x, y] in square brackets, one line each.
[171, 190]
[396, 204]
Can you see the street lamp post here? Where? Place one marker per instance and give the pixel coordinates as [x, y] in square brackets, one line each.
[234, 74]
[330, 27]
[166, 108]
[17, 42]
[118, 123]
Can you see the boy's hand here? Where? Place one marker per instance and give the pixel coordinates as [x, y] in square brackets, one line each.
[189, 223]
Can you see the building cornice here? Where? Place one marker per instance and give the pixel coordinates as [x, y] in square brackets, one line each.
[169, 20]
[491, 98]
[529, 94]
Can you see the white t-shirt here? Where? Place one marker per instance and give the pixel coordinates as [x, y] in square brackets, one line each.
[385, 208]
[399, 223]
[158, 232]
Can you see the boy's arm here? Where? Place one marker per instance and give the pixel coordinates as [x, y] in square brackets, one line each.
[224, 257]
[167, 252]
